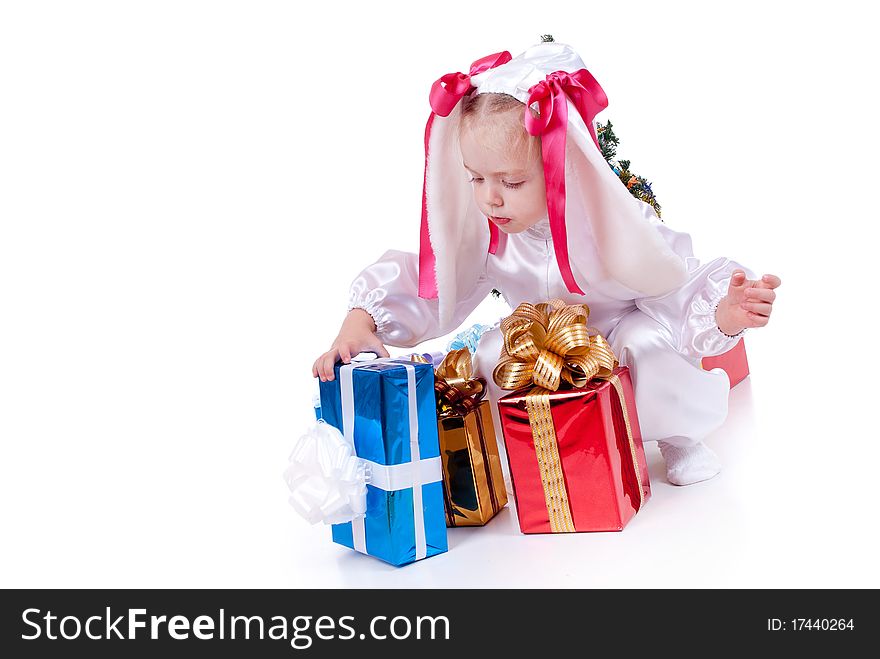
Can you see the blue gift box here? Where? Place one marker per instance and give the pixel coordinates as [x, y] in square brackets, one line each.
[387, 408]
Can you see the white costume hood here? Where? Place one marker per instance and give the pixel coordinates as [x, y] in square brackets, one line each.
[586, 200]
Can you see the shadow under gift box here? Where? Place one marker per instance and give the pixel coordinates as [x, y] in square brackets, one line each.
[601, 473]
[379, 407]
[733, 362]
[473, 483]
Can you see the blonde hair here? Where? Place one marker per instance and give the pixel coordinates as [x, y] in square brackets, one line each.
[503, 116]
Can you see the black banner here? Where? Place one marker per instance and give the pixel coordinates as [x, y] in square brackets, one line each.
[277, 623]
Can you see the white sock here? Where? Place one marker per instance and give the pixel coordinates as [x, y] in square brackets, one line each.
[690, 463]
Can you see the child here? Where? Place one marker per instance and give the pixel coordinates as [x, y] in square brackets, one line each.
[518, 197]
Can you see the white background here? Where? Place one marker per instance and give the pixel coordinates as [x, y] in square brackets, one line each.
[187, 189]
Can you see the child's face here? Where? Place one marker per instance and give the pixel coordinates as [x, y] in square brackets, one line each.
[508, 186]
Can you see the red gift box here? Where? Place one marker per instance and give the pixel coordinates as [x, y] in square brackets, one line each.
[576, 456]
[733, 362]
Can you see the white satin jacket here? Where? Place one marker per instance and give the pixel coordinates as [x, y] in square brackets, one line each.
[524, 270]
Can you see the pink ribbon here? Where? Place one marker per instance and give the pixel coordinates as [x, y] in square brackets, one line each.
[552, 95]
[445, 95]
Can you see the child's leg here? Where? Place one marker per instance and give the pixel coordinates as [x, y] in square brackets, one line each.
[678, 403]
[675, 398]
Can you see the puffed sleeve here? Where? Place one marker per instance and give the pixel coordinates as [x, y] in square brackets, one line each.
[389, 291]
[689, 311]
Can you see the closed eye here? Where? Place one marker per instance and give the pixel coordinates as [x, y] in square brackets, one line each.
[511, 186]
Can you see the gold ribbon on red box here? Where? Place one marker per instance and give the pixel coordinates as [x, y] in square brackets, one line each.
[545, 345]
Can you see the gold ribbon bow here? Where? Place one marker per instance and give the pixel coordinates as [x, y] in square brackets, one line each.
[544, 345]
[547, 343]
[457, 390]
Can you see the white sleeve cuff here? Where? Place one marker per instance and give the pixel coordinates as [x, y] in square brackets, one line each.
[371, 302]
[707, 340]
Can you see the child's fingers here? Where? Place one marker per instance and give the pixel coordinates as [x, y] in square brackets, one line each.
[329, 361]
[761, 294]
[737, 279]
[323, 367]
[769, 281]
[757, 320]
[327, 365]
[758, 307]
[319, 367]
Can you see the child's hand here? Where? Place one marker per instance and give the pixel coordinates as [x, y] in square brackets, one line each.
[358, 333]
[748, 302]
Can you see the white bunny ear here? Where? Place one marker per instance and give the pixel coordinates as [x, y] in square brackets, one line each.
[327, 481]
[459, 233]
[632, 250]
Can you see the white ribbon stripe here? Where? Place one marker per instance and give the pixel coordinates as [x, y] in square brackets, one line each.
[413, 474]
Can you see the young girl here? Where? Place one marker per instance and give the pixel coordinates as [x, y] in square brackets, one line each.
[518, 197]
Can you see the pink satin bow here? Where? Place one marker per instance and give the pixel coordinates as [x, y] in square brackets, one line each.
[445, 95]
[551, 95]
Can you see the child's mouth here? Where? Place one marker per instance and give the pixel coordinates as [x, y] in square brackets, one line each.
[499, 220]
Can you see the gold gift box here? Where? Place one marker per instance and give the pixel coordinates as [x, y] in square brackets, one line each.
[473, 484]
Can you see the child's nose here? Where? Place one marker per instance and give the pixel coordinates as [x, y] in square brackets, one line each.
[492, 196]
